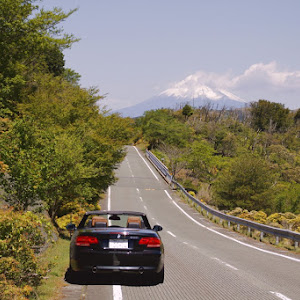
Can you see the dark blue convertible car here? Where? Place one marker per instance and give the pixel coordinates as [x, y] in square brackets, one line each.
[117, 241]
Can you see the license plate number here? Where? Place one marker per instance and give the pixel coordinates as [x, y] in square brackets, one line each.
[118, 244]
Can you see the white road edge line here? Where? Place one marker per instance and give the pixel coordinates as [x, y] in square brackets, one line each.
[237, 241]
[145, 163]
[117, 290]
[171, 233]
[280, 296]
[168, 194]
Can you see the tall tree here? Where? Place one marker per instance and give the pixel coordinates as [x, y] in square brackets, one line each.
[246, 183]
[269, 116]
[30, 41]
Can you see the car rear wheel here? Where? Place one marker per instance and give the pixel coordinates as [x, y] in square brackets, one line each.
[159, 277]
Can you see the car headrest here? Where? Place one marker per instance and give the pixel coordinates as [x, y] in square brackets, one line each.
[134, 222]
[99, 222]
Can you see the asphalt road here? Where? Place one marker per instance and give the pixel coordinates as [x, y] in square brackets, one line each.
[202, 260]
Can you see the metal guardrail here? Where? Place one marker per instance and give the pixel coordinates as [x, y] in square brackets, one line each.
[264, 229]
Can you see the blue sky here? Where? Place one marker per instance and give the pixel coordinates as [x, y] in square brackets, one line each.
[135, 49]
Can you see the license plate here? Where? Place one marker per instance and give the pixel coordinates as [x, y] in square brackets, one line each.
[118, 244]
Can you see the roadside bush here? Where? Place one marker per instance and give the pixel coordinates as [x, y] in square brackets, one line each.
[287, 220]
[20, 234]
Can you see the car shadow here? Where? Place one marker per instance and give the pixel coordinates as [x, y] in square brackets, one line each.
[108, 279]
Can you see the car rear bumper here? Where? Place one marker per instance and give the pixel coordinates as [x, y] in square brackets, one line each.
[118, 262]
[123, 269]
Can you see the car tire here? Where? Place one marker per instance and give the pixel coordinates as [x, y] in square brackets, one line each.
[72, 276]
[159, 277]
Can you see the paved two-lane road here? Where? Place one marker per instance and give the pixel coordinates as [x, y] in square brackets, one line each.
[202, 260]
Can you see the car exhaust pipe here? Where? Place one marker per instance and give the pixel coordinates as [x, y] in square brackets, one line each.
[141, 270]
[94, 269]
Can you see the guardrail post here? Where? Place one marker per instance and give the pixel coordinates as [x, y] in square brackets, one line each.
[277, 240]
[228, 223]
[238, 227]
[296, 244]
[207, 213]
[261, 236]
[249, 231]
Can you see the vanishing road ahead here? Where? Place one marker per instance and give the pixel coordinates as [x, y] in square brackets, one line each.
[202, 260]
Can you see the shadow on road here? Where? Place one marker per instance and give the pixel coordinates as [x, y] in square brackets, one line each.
[108, 279]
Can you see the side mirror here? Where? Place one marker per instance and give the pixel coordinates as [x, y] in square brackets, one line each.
[157, 228]
[71, 227]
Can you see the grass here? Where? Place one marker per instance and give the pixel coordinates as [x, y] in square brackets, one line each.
[57, 258]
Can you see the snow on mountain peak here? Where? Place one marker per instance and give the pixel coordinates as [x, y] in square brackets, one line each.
[191, 87]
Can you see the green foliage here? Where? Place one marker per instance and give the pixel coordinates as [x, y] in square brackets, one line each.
[63, 149]
[54, 59]
[202, 161]
[18, 151]
[19, 267]
[30, 41]
[250, 157]
[161, 126]
[187, 111]
[269, 116]
[288, 220]
[287, 198]
[247, 183]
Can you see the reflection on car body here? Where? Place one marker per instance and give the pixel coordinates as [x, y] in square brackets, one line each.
[117, 241]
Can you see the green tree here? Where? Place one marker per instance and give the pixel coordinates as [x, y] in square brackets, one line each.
[64, 148]
[187, 111]
[30, 41]
[161, 126]
[202, 161]
[269, 116]
[246, 183]
[18, 150]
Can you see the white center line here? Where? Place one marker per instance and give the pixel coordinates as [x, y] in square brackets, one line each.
[141, 199]
[108, 198]
[117, 292]
[145, 207]
[171, 233]
[280, 296]
[226, 264]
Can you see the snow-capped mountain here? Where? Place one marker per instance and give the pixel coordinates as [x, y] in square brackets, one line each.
[188, 91]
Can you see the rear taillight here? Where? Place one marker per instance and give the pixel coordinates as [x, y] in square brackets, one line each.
[84, 240]
[150, 242]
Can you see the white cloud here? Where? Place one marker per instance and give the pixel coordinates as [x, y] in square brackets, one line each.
[259, 81]
[268, 81]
